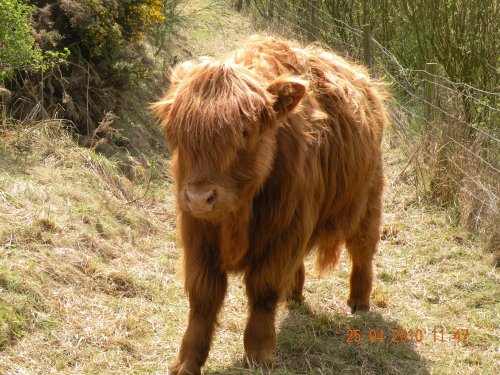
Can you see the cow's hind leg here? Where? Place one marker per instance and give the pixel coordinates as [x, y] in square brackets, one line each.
[362, 245]
[298, 285]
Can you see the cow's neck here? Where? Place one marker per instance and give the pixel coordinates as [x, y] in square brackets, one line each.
[234, 238]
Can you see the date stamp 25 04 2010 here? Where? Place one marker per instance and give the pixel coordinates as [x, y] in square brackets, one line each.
[401, 335]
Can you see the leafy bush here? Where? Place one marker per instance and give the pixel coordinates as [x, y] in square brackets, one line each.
[105, 26]
[104, 43]
[16, 43]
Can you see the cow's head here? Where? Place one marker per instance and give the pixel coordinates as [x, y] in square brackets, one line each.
[220, 121]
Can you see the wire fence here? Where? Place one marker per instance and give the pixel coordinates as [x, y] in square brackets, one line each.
[450, 130]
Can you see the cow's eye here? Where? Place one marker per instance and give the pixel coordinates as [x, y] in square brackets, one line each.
[245, 133]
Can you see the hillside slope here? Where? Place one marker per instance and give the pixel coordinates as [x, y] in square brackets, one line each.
[89, 280]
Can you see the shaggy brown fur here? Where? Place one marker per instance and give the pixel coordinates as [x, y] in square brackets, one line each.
[277, 151]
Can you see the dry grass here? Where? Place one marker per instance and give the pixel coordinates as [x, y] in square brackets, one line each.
[462, 165]
[87, 261]
[89, 283]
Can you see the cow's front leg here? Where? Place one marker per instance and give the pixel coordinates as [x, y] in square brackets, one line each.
[260, 334]
[206, 288]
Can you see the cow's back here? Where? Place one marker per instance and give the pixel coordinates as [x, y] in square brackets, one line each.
[329, 152]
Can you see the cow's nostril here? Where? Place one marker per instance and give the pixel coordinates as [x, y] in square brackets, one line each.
[211, 198]
[186, 196]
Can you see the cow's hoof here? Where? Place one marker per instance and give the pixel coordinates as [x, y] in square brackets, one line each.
[296, 298]
[185, 368]
[358, 306]
[262, 359]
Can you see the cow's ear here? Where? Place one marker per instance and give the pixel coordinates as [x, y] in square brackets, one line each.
[289, 92]
[177, 74]
[181, 71]
[162, 109]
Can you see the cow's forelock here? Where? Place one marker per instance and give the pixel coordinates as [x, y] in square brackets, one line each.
[215, 104]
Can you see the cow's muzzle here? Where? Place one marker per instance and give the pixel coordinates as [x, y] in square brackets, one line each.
[200, 198]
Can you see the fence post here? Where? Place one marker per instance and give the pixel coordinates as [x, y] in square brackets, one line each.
[430, 92]
[270, 9]
[367, 46]
[429, 105]
[314, 5]
[3, 106]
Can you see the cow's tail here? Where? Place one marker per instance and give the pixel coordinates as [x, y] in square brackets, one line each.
[328, 255]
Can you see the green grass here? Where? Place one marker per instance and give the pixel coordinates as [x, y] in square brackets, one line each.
[13, 321]
[90, 281]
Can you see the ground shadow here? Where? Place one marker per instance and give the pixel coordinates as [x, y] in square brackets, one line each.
[317, 343]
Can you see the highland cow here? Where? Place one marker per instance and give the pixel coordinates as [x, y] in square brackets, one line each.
[276, 152]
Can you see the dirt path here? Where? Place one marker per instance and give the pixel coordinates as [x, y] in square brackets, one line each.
[212, 29]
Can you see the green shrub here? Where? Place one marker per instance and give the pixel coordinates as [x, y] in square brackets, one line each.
[16, 43]
[105, 26]
[103, 42]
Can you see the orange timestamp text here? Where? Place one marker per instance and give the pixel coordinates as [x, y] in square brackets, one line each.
[401, 335]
